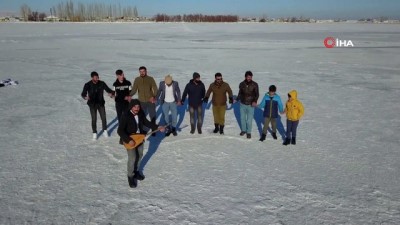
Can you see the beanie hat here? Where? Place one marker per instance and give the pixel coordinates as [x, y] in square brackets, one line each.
[196, 75]
[168, 79]
[133, 102]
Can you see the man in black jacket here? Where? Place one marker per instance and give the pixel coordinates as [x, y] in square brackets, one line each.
[122, 88]
[248, 97]
[196, 91]
[93, 92]
[132, 122]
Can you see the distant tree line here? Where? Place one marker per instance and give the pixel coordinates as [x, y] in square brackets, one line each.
[69, 11]
[195, 18]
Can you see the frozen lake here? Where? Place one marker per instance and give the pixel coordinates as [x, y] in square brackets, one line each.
[344, 169]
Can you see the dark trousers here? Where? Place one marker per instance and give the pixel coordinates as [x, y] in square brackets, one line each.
[149, 108]
[93, 114]
[291, 128]
[199, 111]
[121, 107]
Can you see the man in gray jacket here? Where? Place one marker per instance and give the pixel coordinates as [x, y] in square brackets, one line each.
[169, 97]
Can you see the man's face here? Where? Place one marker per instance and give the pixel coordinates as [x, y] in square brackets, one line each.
[95, 79]
[120, 77]
[143, 72]
[218, 79]
[135, 109]
[249, 78]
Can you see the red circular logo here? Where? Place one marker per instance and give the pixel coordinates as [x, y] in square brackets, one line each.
[330, 42]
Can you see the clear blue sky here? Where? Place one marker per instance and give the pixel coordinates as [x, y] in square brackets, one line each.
[321, 9]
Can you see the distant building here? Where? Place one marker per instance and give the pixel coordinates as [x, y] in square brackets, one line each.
[52, 19]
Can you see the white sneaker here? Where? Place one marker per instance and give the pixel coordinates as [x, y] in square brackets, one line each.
[105, 133]
[94, 136]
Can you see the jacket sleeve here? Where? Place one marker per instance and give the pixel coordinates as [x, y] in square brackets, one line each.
[240, 92]
[203, 90]
[262, 103]
[160, 89]
[286, 107]
[301, 109]
[107, 89]
[256, 93]
[280, 105]
[154, 87]
[185, 92]
[134, 88]
[209, 90]
[178, 91]
[85, 90]
[229, 90]
[121, 129]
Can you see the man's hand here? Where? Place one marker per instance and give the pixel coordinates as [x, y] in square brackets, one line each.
[128, 98]
[87, 98]
[152, 100]
[254, 104]
[132, 143]
[161, 128]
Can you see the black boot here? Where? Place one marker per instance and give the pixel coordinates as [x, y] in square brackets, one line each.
[293, 141]
[221, 129]
[199, 128]
[274, 135]
[132, 182]
[139, 175]
[174, 131]
[192, 129]
[216, 128]
[169, 131]
[263, 136]
[287, 141]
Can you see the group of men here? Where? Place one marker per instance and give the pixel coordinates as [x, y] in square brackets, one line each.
[132, 113]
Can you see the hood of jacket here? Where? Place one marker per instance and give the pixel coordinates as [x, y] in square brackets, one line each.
[293, 94]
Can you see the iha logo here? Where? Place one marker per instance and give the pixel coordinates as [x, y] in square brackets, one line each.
[331, 42]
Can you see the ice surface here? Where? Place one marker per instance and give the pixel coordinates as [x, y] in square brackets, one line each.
[343, 170]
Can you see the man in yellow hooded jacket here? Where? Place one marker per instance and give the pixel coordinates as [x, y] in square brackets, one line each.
[294, 110]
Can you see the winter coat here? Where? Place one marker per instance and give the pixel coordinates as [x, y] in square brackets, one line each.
[146, 86]
[294, 108]
[128, 125]
[248, 92]
[122, 90]
[196, 92]
[219, 93]
[271, 105]
[175, 89]
[95, 92]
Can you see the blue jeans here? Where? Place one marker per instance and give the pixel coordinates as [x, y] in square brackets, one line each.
[170, 107]
[246, 117]
[291, 128]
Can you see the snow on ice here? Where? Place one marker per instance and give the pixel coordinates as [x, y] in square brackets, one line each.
[343, 170]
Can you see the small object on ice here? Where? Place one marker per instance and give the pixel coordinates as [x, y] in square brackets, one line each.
[8, 82]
